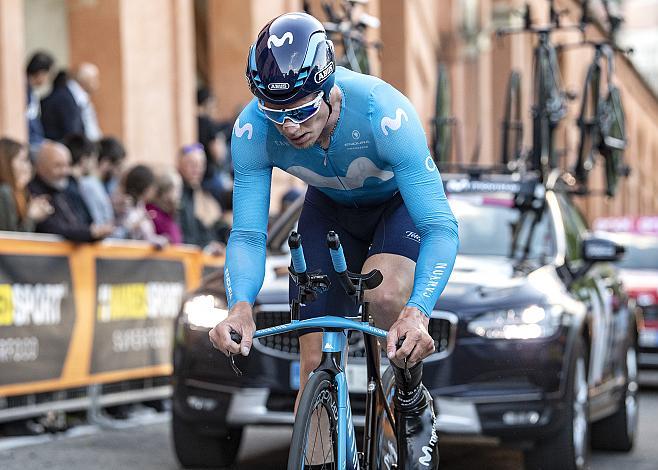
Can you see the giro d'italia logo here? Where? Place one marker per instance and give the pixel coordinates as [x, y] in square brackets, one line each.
[356, 134]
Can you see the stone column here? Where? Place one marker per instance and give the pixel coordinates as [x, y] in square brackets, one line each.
[410, 34]
[145, 54]
[12, 71]
[232, 27]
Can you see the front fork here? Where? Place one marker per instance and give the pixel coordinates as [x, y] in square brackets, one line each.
[335, 343]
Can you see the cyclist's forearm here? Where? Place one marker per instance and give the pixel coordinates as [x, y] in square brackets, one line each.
[245, 266]
[438, 250]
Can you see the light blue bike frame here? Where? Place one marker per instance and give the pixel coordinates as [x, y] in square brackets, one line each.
[335, 342]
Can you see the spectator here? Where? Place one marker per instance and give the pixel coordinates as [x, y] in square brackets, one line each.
[111, 155]
[68, 109]
[17, 211]
[84, 159]
[60, 114]
[53, 169]
[163, 208]
[200, 215]
[217, 179]
[85, 83]
[38, 73]
[139, 188]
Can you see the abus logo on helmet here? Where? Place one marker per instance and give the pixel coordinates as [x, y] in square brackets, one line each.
[278, 86]
[324, 73]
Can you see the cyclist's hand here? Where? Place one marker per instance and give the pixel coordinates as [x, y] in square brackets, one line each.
[418, 344]
[240, 320]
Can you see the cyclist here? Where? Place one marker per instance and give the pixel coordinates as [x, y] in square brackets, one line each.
[360, 146]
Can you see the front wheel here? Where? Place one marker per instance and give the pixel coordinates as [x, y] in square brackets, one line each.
[315, 433]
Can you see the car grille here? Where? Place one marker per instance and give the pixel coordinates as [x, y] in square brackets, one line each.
[285, 342]
[442, 328]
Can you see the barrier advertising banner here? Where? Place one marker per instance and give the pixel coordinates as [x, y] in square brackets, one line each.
[37, 313]
[136, 303]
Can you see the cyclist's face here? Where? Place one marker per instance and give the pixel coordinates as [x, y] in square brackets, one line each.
[303, 135]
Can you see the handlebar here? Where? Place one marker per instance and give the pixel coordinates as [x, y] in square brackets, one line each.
[538, 29]
[338, 260]
[336, 250]
[596, 45]
[297, 253]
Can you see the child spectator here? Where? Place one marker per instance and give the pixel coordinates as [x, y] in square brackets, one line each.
[163, 208]
[18, 212]
[84, 159]
[111, 155]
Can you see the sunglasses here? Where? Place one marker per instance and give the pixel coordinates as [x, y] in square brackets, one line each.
[297, 115]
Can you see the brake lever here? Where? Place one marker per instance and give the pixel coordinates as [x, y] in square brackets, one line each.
[237, 338]
[407, 374]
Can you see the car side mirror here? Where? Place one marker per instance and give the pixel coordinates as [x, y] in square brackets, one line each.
[595, 250]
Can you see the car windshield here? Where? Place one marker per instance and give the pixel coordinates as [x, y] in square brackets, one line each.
[641, 251]
[488, 224]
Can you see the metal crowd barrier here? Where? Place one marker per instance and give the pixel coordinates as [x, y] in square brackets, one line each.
[84, 326]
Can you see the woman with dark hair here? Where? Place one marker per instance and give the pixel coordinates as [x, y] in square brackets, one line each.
[138, 188]
[17, 211]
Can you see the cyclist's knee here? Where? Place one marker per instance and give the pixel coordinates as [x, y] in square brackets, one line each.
[386, 303]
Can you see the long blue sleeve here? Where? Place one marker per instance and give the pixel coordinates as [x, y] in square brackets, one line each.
[245, 253]
[401, 142]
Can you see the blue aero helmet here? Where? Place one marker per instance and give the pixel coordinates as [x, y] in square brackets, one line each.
[291, 58]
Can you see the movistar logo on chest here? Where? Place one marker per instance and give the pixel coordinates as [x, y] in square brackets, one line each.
[322, 75]
[278, 86]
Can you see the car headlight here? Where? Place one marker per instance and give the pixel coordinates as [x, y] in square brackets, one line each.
[522, 323]
[204, 311]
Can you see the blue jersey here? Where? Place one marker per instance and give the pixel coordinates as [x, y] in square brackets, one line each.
[378, 148]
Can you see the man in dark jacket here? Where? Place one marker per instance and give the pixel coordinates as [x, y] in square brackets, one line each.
[53, 169]
[60, 113]
[200, 215]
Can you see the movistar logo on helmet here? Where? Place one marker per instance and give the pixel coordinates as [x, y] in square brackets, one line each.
[277, 41]
[278, 86]
[324, 73]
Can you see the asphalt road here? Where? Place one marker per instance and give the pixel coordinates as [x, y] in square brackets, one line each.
[146, 445]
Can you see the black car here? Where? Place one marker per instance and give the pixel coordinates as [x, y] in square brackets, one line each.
[535, 344]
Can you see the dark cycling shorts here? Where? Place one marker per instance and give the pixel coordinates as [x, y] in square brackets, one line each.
[363, 231]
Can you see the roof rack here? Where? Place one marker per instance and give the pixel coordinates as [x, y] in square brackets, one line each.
[474, 170]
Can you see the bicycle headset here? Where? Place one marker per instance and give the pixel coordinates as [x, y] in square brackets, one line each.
[291, 58]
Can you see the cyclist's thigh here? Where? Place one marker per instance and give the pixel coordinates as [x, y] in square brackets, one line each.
[394, 252]
[319, 216]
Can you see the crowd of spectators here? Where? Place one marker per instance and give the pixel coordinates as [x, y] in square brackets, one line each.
[71, 180]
